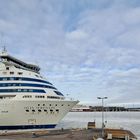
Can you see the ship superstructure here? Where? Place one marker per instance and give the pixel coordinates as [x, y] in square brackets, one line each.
[28, 100]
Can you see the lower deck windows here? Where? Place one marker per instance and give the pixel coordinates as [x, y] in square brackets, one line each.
[36, 111]
[7, 96]
[27, 96]
[39, 96]
[53, 97]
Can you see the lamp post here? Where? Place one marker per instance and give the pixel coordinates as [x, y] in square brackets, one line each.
[102, 98]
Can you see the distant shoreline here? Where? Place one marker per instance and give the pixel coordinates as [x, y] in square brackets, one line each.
[84, 108]
[107, 111]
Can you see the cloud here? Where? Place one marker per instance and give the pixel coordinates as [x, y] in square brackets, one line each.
[127, 81]
[83, 47]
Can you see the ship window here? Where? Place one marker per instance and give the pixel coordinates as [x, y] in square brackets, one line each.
[3, 85]
[7, 68]
[27, 96]
[11, 78]
[39, 96]
[33, 110]
[58, 93]
[43, 104]
[56, 105]
[25, 90]
[57, 110]
[62, 105]
[39, 110]
[27, 110]
[51, 110]
[45, 110]
[50, 104]
[4, 79]
[11, 72]
[38, 104]
[30, 90]
[53, 97]
[36, 75]
[20, 73]
[16, 78]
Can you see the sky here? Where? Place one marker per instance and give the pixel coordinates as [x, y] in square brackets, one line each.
[86, 48]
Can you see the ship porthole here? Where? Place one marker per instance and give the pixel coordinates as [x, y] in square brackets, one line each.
[33, 110]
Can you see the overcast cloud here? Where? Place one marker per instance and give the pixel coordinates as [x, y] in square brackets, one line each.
[86, 48]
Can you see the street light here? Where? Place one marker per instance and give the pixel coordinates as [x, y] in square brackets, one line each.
[102, 98]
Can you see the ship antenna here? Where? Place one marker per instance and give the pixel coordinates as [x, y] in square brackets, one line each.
[4, 50]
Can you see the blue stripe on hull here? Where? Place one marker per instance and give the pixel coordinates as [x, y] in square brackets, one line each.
[27, 127]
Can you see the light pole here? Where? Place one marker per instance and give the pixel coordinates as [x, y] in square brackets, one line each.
[102, 98]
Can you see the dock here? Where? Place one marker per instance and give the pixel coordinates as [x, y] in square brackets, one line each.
[69, 134]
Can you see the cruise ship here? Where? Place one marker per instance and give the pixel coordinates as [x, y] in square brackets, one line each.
[27, 99]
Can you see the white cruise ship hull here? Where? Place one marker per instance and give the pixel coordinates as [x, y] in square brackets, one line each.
[41, 114]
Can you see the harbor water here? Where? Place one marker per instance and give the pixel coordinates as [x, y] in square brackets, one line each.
[123, 120]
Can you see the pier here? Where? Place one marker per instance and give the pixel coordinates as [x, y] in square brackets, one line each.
[69, 134]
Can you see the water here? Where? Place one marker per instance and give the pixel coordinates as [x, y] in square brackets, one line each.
[126, 120]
